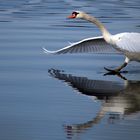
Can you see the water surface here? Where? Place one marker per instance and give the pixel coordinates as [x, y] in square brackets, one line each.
[67, 96]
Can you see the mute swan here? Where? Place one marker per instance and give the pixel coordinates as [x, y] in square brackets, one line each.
[126, 43]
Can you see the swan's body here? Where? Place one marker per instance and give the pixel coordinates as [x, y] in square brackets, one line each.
[126, 43]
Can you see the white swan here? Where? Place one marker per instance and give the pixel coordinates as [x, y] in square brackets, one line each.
[126, 43]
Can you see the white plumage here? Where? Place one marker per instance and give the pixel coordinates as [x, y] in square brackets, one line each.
[126, 43]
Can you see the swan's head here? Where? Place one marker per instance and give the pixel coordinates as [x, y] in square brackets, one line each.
[76, 14]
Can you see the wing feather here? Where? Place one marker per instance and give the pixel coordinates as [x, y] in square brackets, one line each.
[94, 44]
[129, 42]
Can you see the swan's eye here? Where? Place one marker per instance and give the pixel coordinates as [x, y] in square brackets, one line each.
[74, 14]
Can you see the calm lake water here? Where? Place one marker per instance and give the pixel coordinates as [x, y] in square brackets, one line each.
[45, 97]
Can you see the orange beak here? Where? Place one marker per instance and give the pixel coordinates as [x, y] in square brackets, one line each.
[72, 16]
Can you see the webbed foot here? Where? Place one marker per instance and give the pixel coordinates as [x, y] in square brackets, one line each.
[115, 72]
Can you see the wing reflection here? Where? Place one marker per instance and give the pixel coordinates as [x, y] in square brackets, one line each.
[118, 99]
[99, 88]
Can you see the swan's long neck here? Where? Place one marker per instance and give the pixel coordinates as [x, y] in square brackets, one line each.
[105, 32]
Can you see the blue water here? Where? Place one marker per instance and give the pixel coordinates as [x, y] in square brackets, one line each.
[67, 96]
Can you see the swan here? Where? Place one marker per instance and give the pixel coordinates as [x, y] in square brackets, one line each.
[127, 43]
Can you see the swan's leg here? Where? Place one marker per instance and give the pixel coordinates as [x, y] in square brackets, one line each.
[120, 67]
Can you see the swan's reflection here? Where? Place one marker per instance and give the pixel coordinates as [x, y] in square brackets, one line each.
[118, 99]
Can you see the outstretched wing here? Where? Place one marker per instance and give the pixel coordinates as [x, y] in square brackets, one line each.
[94, 44]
